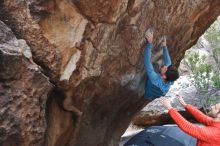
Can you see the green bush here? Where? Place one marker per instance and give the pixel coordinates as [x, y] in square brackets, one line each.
[213, 35]
[206, 77]
[203, 77]
[216, 76]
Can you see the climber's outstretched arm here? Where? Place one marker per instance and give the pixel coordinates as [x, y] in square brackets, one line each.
[166, 55]
[147, 57]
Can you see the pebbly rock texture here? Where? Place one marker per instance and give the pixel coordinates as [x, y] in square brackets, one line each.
[22, 93]
[92, 51]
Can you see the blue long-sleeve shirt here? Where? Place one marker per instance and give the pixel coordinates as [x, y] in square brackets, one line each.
[155, 86]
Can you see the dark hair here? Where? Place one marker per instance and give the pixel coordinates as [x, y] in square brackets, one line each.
[172, 73]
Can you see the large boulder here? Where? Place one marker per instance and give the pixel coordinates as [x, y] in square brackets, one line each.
[22, 93]
[92, 52]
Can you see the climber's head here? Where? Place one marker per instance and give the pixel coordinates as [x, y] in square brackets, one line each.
[169, 73]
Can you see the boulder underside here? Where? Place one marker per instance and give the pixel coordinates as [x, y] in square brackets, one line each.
[72, 71]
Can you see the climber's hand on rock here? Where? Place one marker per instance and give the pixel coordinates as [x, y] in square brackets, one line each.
[164, 41]
[181, 100]
[149, 35]
[165, 102]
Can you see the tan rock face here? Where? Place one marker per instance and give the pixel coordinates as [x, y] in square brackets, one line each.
[92, 51]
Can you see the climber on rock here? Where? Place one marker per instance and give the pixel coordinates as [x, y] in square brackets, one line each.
[158, 84]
